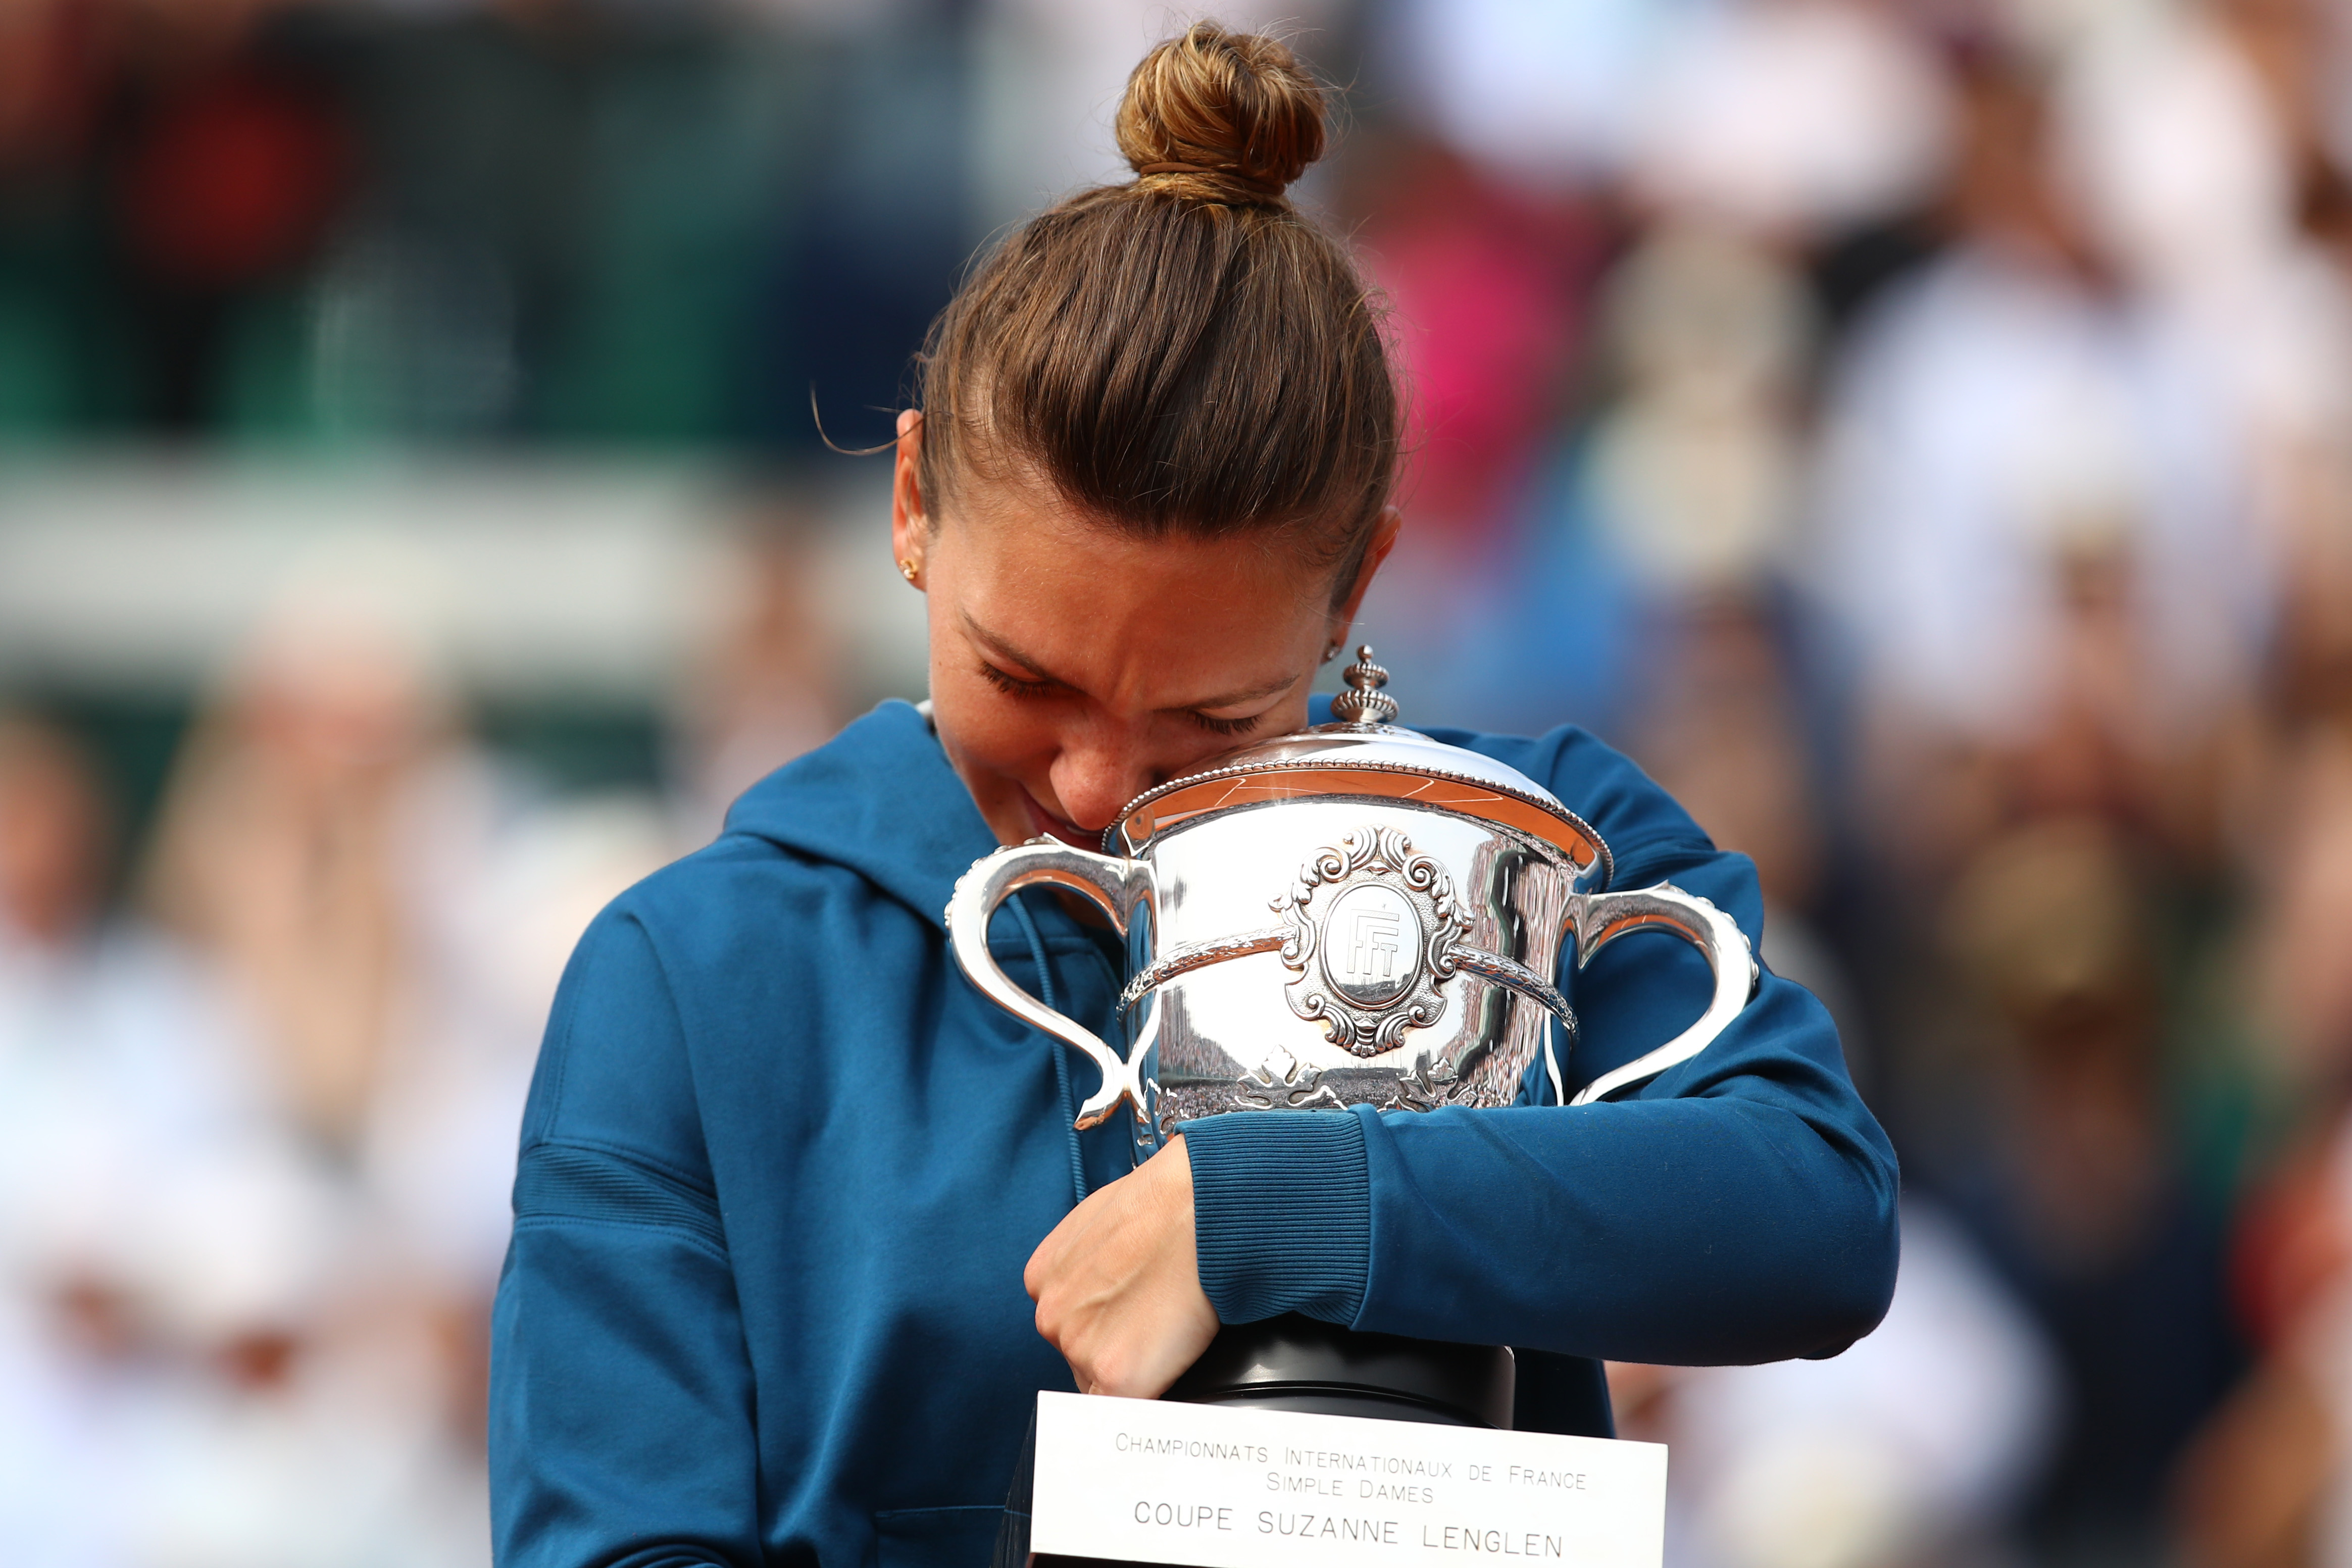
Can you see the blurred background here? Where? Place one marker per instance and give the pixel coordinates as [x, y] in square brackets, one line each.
[1920, 430]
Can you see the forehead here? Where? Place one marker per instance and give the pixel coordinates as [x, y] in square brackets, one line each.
[1019, 518]
[1091, 602]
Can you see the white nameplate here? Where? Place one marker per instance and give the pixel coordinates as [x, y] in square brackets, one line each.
[1218, 1486]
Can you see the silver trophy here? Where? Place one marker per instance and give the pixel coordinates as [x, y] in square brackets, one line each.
[1353, 914]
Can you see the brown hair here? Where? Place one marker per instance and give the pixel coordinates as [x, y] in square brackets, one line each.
[1186, 353]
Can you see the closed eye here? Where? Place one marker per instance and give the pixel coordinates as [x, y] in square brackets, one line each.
[1014, 685]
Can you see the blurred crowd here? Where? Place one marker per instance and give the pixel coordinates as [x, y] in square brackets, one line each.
[1920, 430]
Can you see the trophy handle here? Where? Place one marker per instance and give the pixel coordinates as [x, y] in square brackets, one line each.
[1600, 918]
[997, 877]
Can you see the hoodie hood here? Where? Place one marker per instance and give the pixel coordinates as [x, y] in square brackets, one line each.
[880, 798]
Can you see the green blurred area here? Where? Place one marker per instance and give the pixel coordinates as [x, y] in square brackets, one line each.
[661, 229]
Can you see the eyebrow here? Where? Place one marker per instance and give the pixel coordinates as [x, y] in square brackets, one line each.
[1001, 649]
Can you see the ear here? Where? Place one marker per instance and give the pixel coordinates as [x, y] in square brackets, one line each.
[910, 525]
[1384, 538]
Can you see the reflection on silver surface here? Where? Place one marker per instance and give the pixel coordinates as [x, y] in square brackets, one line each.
[1421, 895]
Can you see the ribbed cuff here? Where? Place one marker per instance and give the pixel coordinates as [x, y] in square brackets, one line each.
[1282, 1213]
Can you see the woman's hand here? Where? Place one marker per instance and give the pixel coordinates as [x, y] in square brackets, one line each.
[1116, 1284]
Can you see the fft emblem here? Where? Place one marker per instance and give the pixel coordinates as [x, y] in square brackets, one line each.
[1370, 967]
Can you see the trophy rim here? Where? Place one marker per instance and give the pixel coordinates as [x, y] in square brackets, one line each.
[1539, 815]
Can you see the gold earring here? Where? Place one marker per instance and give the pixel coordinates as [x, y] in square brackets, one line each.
[907, 570]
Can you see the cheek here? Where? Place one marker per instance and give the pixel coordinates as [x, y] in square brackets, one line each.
[991, 731]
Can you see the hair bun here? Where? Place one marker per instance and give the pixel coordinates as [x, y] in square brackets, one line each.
[1233, 115]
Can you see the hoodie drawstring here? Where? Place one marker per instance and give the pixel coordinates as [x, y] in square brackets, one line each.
[1061, 1052]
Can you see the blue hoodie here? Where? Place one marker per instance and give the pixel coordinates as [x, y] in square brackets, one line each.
[781, 1166]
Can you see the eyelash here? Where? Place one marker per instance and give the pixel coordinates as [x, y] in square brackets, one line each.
[1013, 687]
[1225, 726]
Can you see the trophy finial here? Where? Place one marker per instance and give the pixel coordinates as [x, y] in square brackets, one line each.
[1363, 702]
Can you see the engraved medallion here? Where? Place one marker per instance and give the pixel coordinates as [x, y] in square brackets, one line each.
[1373, 925]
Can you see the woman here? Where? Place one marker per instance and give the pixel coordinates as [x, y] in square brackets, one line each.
[785, 1174]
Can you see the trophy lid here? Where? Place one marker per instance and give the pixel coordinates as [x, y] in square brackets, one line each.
[1362, 754]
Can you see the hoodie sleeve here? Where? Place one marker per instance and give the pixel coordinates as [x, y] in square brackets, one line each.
[1740, 1208]
[620, 1415]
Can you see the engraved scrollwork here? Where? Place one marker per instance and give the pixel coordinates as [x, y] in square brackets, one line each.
[1404, 926]
[1429, 1084]
[1295, 1087]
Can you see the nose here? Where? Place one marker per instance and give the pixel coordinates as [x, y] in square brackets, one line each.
[1100, 770]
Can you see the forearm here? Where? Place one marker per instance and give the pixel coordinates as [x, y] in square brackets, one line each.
[1679, 1230]
[1682, 1230]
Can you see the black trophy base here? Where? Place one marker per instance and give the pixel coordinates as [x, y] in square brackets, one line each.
[1294, 1362]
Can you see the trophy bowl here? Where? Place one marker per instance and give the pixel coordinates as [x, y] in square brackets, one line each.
[1351, 915]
